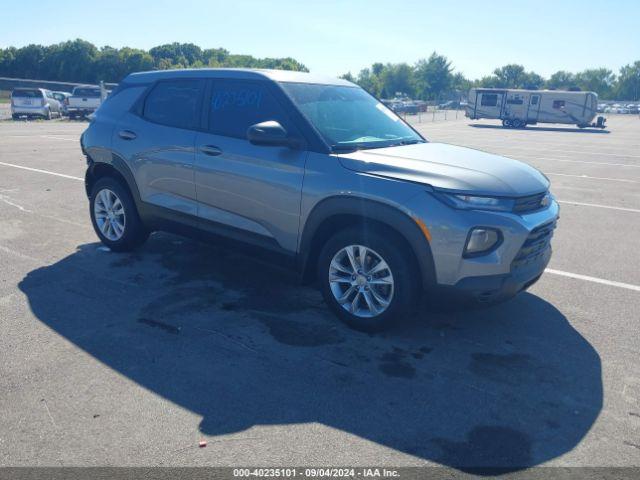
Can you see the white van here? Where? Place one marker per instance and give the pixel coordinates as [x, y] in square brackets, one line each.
[519, 108]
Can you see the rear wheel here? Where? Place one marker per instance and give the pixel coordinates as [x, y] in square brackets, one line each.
[15, 116]
[114, 216]
[506, 123]
[368, 279]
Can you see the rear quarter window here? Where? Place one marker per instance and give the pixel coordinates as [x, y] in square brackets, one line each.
[121, 100]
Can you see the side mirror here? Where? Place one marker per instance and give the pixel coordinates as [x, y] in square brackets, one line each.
[269, 133]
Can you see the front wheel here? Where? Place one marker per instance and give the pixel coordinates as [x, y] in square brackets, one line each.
[368, 279]
[114, 216]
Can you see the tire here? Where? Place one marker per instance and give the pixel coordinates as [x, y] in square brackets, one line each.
[15, 116]
[506, 123]
[72, 116]
[125, 231]
[401, 295]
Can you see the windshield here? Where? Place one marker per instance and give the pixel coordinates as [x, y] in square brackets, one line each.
[349, 118]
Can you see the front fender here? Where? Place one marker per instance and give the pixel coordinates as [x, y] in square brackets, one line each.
[367, 211]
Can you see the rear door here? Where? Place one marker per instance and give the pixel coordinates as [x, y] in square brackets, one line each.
[515, 106]
[534, 107]
[158, 141]
[254, 191]
[54, 104]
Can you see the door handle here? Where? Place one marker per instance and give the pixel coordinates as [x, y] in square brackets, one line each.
[127, 134]
[210, 150]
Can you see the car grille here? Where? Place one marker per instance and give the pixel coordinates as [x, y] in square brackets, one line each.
[535, 246]
[529, 203]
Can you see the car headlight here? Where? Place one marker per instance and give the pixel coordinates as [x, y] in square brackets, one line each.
[476, 202]
[481, 240]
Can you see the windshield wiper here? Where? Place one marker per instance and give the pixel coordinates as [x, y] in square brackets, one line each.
[346, 148]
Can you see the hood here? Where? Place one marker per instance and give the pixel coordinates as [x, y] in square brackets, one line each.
[449, 167]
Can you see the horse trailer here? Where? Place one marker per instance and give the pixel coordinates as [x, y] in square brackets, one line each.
[519, 108]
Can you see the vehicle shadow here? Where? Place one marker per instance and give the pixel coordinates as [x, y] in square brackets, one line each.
[242, 345]
[544, 129]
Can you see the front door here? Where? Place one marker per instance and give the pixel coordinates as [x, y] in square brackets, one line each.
[252, 190]
[534, 108]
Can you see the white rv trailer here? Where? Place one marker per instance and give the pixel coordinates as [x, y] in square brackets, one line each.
[519, 108]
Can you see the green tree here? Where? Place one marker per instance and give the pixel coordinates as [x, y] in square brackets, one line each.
[348, 77]
[628, 84]
[460, 84]
[510, 76]
[369, 81]
[433, 77]
[396, 79]
[562, 80]
[599, 80]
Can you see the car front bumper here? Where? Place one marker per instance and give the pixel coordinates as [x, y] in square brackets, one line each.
[515, 264]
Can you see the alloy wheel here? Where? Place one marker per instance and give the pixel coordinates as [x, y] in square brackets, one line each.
[109, 214]
[361, 281]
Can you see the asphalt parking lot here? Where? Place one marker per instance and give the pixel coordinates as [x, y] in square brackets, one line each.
[132, 359]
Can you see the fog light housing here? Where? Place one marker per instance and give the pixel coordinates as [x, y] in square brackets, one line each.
[482, 240]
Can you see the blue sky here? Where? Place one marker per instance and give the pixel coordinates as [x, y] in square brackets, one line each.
[333, 37]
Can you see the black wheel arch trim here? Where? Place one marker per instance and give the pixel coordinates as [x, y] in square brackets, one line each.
[119, 165]
[366, 210]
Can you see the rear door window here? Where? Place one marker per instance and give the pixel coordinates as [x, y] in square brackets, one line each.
[175, 103]
[235, 106]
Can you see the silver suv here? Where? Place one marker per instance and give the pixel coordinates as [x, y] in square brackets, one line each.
[322, 174]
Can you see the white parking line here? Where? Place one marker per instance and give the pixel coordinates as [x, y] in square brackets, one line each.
[593, 178]
[587, 278]
[42, 171]
[533, 157]
[596, 205]
[57, 137]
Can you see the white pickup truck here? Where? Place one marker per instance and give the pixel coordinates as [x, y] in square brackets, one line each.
[84, 100]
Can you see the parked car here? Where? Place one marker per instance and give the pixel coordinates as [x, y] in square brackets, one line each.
[34, 102]
[63, 98]
[450, 105]
[322, 175]
[633, 108]
[84, 100]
